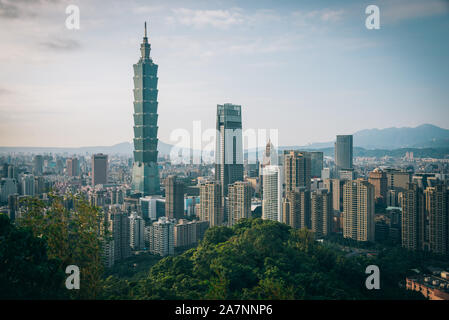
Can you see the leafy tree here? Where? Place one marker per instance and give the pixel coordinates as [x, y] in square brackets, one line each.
[74, 237]
[26, 272]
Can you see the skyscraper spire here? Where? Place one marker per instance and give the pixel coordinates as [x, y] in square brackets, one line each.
[145, 46]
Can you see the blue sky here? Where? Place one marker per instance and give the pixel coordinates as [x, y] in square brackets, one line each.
[310, 69]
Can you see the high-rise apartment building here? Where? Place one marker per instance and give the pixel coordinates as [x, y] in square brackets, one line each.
[297, 170]
[211, 205]
[161, 237]
[188, 233]
[437, 216]
[425, 218]
[321, 212]
[343, 152]
[136, 232]
[118, 223]
[296, 208]
[174, 198]
[272, 193]
[378, 178]
[145, 174]
[239, 202]
[99, 169]
[412, 203]
[335, 187]
[358, 210]
[229, 146]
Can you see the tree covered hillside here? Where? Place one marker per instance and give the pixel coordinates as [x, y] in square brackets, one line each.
[257, 259]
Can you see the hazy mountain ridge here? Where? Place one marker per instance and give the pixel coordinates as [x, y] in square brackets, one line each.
[368, 142]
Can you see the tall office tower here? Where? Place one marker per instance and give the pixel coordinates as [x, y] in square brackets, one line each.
[378, 179]
[316, 160]
[296, 208]
[174, 198]
[297, 168]
[343, 152]
[358, 210]
[272, 193]
[119, 227]
[211, 205]
[99, 169]
[145, 174]
[136, 232]
[437, 216]
[229, 146]
[321, 212]
[239, 202]
[38, 165]
[73, 167]
[413, 205]
[161, 237]
[335, 187]
[27, 182]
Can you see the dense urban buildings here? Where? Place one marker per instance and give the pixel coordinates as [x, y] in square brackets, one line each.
[145, 177]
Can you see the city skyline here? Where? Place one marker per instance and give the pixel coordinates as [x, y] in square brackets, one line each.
[213, 53]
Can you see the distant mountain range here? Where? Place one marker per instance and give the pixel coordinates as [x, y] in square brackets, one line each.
[423, 136]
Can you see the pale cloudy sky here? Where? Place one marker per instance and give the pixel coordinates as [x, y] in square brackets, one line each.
[308, 68]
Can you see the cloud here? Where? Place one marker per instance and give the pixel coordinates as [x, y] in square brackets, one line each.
[207, 18]
[306, 18]
[61, 44]
[13, 9]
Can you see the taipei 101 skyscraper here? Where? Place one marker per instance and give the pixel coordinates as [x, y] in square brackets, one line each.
[145, 177]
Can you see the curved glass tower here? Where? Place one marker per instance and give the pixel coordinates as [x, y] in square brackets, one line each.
[145, 178]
